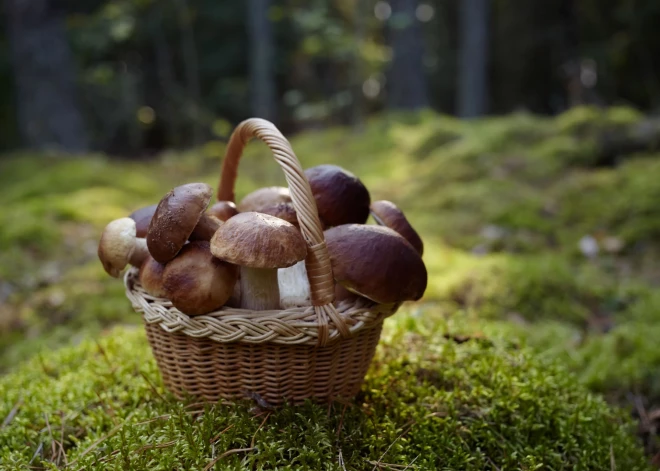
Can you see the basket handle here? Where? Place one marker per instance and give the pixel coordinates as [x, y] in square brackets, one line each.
[317, 263]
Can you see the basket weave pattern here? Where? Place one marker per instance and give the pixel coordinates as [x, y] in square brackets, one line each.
[320, 352]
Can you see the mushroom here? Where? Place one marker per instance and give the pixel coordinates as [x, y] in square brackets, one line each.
[260, 244]
[119, 246]
[223, 210]
[284, 211]
[340, 196]
[386, 213]
[175, 218]
[294, 286]
[205, 228]
[142, 218]
[264, 197]
[151, 277]
[196, 282]
[376, 262]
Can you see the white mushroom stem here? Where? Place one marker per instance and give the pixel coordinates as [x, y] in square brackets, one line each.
[259, 290]
[294, 286]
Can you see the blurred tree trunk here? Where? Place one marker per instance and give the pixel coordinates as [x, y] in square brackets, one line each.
[262, 73]
[473, 58]
[45, 77]
[359, 20]
[406, 81]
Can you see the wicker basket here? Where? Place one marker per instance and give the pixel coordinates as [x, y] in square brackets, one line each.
[321, 352]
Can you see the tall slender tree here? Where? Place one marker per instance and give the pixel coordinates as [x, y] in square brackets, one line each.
[406, 80]
[473, 58]
[49, 115]
[262, 72]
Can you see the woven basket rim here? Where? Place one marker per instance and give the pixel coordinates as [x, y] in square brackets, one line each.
[294, 326]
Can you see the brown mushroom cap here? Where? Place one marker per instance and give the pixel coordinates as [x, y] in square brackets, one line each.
[175, 219]
[118, 246]
[223, 210]
[376, 262]
[264, 197]
[284, 211]
[151, 277]
[196, 282]
[388, 214]
[258, 240]
[142, 218]
[340, 196]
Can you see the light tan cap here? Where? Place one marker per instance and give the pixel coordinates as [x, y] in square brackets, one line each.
[175, 218]
[258, 240]
[388, 214]
[376, 262]
[284, 211]
[116, 245]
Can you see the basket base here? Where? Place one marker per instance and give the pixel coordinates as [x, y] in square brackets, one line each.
[276, 373]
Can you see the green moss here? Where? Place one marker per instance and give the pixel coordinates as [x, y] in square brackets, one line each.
[473, 406]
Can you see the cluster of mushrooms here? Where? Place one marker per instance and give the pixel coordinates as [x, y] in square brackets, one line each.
[252, 255]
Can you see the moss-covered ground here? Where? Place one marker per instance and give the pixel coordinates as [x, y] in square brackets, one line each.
[504, 206]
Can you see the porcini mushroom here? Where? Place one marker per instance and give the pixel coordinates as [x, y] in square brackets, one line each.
[196, 282]
[264, 197]
[376, 262]
[151, 277]
[223, 210]
[119, 246]
[142, 218]
[259, 244]
[386, 213]
[341, 198]
[175, 218]
[284, 211]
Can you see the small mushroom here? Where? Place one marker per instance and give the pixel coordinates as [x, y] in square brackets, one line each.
[205, 228]
[142, 218]
[259, 244]
[294, 286]
[376, 262]
[341, 198]
[386, 213]
[223, 210]
[284, 211]
[119, 246]
[196, 282]
[151, 277]
[263, 198]
[175, 218]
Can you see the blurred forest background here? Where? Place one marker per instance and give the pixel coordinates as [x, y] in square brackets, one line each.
[134, 77]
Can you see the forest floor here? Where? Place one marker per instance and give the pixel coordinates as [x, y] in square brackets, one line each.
[543, 233]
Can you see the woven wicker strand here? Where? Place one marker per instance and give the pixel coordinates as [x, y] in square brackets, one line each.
[319, 352]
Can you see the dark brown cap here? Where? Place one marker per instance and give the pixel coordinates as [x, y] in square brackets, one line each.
[376, 262]
[151, 277]
[223, 210]
[196, 282]
[264, 197]
[175, 219]
[388, 214]
[258, 240]
[142, 218]
[340, 196]
[284, 211]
